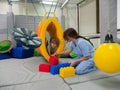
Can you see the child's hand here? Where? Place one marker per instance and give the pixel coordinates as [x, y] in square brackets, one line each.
[55, 54]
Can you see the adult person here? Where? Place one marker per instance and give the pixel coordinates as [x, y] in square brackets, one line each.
[84, 62]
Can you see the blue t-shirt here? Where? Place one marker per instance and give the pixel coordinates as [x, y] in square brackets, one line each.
[83, 48]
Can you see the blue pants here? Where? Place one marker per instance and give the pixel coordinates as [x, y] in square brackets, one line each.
[85, 66]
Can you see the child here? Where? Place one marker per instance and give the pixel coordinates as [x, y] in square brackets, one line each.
[53, 45]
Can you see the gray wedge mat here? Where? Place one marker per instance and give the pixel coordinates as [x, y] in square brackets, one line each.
[86, 77]
[49, 84]
[16, 71]
[110, 83]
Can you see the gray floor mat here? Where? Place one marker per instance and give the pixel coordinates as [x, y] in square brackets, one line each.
[24, 72]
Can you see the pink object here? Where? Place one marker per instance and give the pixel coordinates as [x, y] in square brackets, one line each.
[44, 67]
[53, 60]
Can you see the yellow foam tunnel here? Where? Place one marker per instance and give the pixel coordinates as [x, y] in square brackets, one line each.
[53, 27]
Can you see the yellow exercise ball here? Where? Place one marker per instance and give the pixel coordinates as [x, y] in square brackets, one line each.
[107, 57]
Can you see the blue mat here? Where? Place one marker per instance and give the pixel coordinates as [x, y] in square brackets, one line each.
[5, 56]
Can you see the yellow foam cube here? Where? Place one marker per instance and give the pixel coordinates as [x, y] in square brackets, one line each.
[67, 72]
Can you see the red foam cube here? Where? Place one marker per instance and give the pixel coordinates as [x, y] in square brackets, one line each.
[53, 60]
[44, 67]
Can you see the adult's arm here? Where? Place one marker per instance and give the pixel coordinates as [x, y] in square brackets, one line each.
[74, 62]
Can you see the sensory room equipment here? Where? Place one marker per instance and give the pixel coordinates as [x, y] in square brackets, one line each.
[107, 57]
[67, 71]
[46, 67]
[26, 37]
[5, 46]
[27, 41]
[54, 29]
[5, 49]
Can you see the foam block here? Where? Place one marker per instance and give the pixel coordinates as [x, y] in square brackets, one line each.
[53, 60]
[20, 52]
[55, 68]
[44, 67]
[67, 72]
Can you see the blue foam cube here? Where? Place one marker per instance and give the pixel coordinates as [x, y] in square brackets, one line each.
[55, 68]
[21, 52]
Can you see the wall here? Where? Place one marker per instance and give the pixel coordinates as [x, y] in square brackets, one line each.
[3, 27]
[70, 13]
[88, 18]
[118, 14]
[20, 8]
[87, 14]
[24, 13]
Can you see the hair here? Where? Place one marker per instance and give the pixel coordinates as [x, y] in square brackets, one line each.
[54, 40]
[71, 32]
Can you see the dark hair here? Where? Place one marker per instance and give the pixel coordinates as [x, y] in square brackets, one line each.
[71, 32]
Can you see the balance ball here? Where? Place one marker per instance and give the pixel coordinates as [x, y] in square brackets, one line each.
[107, 57]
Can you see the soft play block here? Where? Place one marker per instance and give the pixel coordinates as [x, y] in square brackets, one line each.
[44, 67]
[67, 72]
[53, 60]
[20, 52]
[18, 45]
[55, 68]
[5, 56]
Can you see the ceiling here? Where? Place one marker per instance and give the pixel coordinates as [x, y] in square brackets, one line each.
[60, 1]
